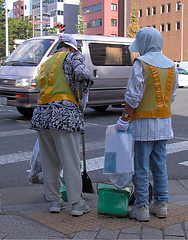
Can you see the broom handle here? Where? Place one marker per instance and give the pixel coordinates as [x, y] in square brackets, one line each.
[83, 134]
[83, 151]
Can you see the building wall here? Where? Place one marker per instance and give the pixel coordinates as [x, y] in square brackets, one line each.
[68, 14]
[172, 38]
[18, 8]
[106, 14]
[27, 8]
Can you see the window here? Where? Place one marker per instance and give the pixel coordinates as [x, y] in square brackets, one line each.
[93, 23]
[168, 27]
[154, 26]
[177, 25]
[169, 7]
[162, 27]
[59, 12]
[162, 8]
[178, 4]
[148, 12]
[154, 10]
[114, 22]
[18, 5]
[109, 54]
[113, 7]
[92, 8]
[140, 12]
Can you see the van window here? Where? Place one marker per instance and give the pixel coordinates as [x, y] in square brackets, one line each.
[109, 54]
[29, 52]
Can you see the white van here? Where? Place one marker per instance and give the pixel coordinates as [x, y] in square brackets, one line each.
[108, 59]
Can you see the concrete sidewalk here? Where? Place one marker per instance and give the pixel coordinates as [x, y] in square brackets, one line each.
[24, 215]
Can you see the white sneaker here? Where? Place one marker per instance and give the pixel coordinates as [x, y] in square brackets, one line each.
[140, 213]
[79, 208]
[159, 209]
[56, 206]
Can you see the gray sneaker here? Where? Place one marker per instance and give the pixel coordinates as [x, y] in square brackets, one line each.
[159, 209]
[79, 208]
[140, 213]
[56, 206]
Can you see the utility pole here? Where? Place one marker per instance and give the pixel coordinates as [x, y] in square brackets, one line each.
[41, 17]
[6, 27]
[182, 32]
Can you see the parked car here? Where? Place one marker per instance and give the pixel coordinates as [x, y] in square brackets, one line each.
[182, 77]
[108, 59]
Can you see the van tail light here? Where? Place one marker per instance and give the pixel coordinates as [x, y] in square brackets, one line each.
[20, 95]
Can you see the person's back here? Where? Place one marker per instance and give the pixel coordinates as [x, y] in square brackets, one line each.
[150, 92]
[58, 121]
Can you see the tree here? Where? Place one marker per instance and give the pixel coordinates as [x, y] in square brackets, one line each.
[52, 31]
[80, 26]
[133, 26]
[2, 28]
[19, 28]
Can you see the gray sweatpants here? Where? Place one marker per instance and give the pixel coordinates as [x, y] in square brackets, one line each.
[60, 149]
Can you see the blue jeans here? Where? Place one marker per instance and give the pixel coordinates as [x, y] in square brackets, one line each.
[150, 156]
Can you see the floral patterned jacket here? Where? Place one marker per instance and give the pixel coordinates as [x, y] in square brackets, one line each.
[64, 114]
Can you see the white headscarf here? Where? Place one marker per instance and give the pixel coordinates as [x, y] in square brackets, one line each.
[149, 43]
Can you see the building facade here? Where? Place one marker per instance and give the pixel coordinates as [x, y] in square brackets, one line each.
[18, 8]
[53, 11]
[108, 18]
[22, 8]
[166, 16]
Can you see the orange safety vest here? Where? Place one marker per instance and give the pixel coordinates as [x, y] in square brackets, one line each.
[52, 81]
[159, 86]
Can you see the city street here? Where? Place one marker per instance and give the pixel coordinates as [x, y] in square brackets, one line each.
[17, 142]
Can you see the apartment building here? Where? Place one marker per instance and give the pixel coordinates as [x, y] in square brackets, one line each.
[18, 8]
[22, 8]
[166, 16]
[108, 18]
[53, 11]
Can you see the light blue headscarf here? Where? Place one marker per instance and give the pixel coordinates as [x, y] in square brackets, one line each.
[149, 43]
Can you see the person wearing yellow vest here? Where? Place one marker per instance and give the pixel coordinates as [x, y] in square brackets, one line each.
[151, 90]
[58, 121]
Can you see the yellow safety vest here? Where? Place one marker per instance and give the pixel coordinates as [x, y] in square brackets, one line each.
[52, 81]
[159, 86]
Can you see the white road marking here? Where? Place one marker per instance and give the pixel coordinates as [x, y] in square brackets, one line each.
[177, 147]
[94, 163]
[16, 132]
[184, 163]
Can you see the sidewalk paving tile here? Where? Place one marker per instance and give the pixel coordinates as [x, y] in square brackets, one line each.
[175, 214]
[107, 234]
[174, 230]
[128, 236]
[151, 233]
[67, 224]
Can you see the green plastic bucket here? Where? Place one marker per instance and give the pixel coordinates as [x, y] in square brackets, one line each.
[112, 201]
[63, 190]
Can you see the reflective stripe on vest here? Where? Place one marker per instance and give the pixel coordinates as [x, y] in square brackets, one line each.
[162, 103]
[47, 85]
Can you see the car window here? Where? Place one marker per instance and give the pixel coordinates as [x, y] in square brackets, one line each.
[30, 51]
[182, 71]
[110, 54]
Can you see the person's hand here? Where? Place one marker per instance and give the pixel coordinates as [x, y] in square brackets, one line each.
[84, 100]
[122, 125]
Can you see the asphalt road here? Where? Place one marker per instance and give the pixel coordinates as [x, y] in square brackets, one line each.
[17, 141]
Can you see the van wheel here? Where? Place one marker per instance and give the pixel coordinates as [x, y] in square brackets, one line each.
[100, 108]
[27, 112]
